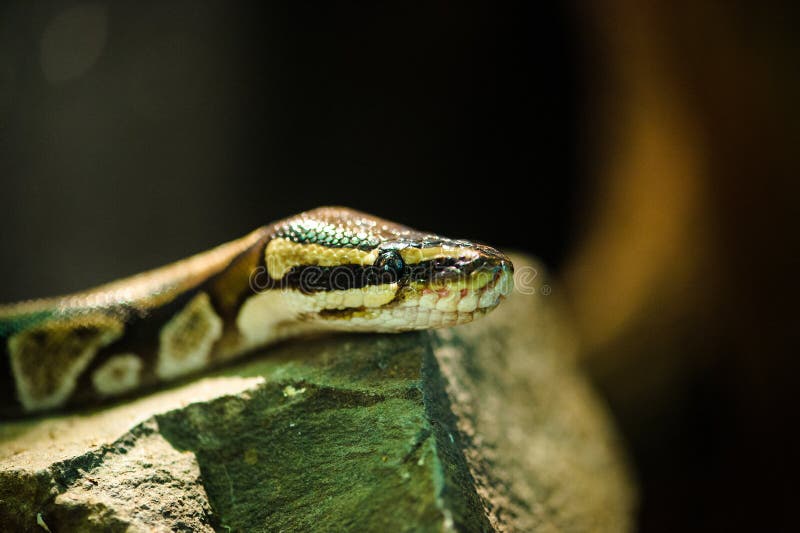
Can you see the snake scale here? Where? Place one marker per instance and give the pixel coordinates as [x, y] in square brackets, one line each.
[329, 269]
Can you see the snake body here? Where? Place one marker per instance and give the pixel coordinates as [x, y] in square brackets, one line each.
[329, 269]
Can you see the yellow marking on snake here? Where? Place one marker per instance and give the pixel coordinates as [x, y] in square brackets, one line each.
[70, 345]
[412, 255]
[118, 375]
[186, 340]
[282, 254]
[262, 312]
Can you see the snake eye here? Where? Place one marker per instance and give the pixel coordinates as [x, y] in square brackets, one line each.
[389, 262]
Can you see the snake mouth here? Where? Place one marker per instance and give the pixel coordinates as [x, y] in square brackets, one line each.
[441, 292]
[444, 303]
[483, 289]
[453, 302]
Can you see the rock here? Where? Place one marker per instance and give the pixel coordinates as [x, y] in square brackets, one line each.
[488, 426]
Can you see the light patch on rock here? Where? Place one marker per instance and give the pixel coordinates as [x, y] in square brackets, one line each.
[186, 341]
[289, 391]
[117, 375]
[41, 523]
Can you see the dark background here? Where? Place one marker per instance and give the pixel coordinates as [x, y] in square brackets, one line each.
[199, 121]
[134, 134]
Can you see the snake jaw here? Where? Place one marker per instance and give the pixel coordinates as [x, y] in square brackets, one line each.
[456, 299]
[475, 293]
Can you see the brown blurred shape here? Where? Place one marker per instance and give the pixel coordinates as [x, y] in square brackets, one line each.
[682, 281]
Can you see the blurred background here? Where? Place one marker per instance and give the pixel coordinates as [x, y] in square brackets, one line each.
[644, 152]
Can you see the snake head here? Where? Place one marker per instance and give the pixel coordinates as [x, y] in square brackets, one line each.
[346, 270]
[437, 282]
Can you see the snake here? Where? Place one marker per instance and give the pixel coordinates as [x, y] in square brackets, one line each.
[324, 270]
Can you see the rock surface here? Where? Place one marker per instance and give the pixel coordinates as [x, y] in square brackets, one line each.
[488, 426]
